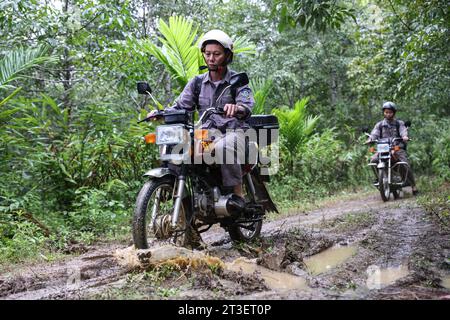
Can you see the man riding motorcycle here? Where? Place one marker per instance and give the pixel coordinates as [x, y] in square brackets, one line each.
[201, 92]
[390, 127]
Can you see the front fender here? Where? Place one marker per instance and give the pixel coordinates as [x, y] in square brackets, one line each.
[159, 172]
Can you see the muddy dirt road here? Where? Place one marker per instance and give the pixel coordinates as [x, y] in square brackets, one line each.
[356, 249]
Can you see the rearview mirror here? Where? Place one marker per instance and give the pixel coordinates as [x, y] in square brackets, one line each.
[365, 129]
[408, 123]
[143, 87]
[239, 79]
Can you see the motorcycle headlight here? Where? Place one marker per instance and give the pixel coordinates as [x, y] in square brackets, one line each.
[382, 147]
[170, 134]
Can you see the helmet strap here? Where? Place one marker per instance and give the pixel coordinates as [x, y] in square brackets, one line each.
[221, 69]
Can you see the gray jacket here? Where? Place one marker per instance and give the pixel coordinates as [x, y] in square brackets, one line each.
[209, 92]
[388, 129]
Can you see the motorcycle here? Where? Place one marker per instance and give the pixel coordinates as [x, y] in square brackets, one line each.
[183, 194]
[391, 176]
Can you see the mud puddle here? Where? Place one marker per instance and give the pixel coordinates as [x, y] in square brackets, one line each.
[382, 277]
[275, 280]
[329, 259]
[297, 257]
[445, 282]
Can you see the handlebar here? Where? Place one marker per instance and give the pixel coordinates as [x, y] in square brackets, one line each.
[158, 114]
[393, 140]
[206, 113]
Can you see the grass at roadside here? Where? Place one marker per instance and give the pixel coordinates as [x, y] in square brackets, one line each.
[435, 199]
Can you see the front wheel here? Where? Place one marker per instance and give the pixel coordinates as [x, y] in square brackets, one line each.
[153, 214]
[383, 184]
[396, 194]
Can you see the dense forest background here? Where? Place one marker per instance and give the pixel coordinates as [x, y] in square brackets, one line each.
[71, 151]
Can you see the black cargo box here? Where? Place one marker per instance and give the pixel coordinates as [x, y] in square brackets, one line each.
[267, 122]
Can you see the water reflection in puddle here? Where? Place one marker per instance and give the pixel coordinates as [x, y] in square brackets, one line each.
[328, 259]
[445, 282]
[378, 278]
[274, 280]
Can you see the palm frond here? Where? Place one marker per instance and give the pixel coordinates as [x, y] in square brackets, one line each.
[17, 61]
[243, 45]
[5, 100]
[261, 89]
[178, 51]
[295, 126]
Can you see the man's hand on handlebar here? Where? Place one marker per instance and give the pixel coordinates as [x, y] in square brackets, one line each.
[230, 110]
[152, 114]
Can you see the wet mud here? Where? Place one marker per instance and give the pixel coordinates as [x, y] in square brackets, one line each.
[359, 249]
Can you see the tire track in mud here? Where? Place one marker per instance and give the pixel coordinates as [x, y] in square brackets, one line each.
[283, 224]
[395, 236]
[61, 279]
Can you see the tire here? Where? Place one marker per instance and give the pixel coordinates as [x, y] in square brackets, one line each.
[383, 184]
[142, 232]
[238, 233]
[396, 194]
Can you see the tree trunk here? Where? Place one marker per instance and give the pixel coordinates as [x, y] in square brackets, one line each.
[67, 70]
[333, 89]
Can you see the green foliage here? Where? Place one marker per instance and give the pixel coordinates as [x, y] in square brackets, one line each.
[402, 45]
[12, 67]
[430, 149]
[179, 52]
[16, 62]
[71, 153]
[321, 165]
[296, 126]
[261, 89]
[79, 179]
[94, 211]
[435, 199]
[20, 240]
[320, 15]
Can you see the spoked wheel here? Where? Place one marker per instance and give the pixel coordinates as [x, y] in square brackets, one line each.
[153, 214]
[383, 184]
[245, 231]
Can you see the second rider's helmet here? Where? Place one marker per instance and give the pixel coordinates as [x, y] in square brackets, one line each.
[389, 105]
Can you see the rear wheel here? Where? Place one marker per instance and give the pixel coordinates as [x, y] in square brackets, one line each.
[383, 184]
[153, 215]
[246, 231]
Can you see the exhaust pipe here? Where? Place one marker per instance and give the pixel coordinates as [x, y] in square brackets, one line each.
[229, 205]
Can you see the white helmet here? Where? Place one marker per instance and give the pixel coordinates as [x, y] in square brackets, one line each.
[219, 36]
